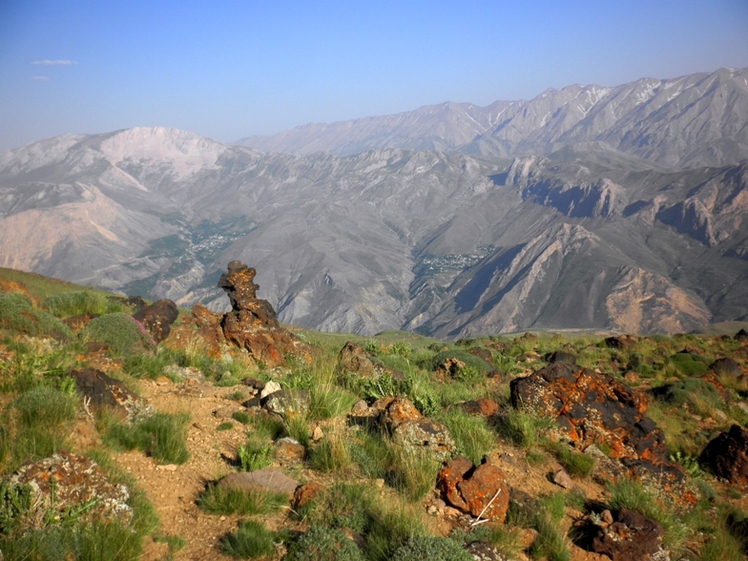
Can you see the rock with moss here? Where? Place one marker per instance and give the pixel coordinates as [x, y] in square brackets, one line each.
[324, 544]
[431, 548]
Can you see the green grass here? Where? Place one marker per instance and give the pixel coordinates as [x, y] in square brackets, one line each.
[330, 455]
[431, 548]
[84, 302]
[254, 454]
[19, 316]
[226, 425]
[161, 436]
[120, 333]
[220, 500]
[412, 472]
[471, 435]
[635, 496]
[250, 541]
[550, 543]
[241, 417]
[523, 427]
[575, 463]
[319, 543]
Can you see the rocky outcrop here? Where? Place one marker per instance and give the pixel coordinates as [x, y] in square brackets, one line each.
[408, 427]
[101, 391]
[630, 536]
[726, 456]
[481, 491]
[252, 324]
[353, 359]
[66, 483]
[593, 408]
[158, 318]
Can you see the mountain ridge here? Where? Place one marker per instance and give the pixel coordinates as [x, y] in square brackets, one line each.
[438, 241]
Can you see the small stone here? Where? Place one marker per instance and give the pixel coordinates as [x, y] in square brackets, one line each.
[606, 516]
[562, 479]
[270, 387]
[360, 408]
[379, 483]
[167, 467]
[432, 510]
[317, 434]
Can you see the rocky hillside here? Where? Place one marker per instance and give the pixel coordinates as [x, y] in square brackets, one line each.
[131, 431]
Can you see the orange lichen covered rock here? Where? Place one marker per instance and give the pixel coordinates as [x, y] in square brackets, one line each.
[594, 408]
[480, 491]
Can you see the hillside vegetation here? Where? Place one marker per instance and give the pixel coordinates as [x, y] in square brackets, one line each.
[116, 443]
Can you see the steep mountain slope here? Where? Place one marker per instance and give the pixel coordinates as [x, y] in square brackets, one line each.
[590, 230]
[691, 121]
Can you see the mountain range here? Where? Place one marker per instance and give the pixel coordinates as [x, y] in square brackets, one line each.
[622, 209]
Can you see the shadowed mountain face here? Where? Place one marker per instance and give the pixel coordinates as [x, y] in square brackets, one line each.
[587, 235]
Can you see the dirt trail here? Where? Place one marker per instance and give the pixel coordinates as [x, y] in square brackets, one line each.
[173, 489]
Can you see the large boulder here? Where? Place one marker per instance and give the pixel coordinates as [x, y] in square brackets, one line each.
[593, 408]
[479, 491]
[269, 480]
[726, 456]
[252, 324]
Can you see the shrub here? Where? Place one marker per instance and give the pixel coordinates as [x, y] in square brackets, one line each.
[123, 335]
[161, 436]
[254, 455]
[221, 500]
[250, 540]
[430, 548]
[18, 315]
[83, 302]
[323, 544]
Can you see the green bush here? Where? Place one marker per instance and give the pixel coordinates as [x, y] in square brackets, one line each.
[18, 315]
[123, 335]
[250, 540]
[83, 302]
[162, 436]
[430, 548]
[319, 543]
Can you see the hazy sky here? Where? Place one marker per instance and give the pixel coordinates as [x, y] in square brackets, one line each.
[229, 69]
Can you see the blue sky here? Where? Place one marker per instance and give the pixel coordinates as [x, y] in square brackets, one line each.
[229, 69]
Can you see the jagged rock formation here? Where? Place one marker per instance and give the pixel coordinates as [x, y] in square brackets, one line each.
[252, 324]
